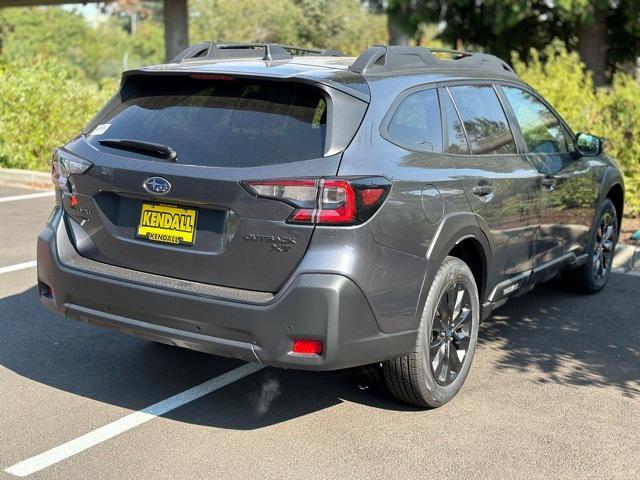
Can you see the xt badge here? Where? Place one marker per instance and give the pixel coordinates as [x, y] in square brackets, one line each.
[278, 244]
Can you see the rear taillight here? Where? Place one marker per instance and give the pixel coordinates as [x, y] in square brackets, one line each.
[65, 164]
[325, 201]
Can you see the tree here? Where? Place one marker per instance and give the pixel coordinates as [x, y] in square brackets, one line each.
[605, 32]
[341, 24]
[99, 51]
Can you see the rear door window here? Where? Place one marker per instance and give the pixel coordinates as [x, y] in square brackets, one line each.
[484, 120]
[416, 122]
[220, 123]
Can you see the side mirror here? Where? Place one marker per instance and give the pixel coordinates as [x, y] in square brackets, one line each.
[588, 145]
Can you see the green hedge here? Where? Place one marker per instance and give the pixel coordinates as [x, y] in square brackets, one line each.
[45, 102]
[611, 112]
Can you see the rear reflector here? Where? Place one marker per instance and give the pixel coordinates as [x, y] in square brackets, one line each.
[371, 196]
[308, 347]
[325, 201]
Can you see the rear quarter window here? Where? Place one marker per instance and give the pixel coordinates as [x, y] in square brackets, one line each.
[416, 124]
[221, 123]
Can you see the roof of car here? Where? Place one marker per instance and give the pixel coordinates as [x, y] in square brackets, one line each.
[331, 67]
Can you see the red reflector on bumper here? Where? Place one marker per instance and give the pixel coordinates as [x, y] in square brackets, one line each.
[310, 347]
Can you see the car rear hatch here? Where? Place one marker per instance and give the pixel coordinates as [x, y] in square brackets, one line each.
[190, 217]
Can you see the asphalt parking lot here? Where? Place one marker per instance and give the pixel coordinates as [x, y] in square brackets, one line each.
[554, 392]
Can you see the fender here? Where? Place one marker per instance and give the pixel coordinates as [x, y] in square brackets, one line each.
[453, 229]
[611, 177]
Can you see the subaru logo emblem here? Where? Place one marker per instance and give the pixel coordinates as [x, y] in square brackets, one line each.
[157, 186]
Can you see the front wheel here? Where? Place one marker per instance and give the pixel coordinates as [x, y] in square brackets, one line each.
[435, 370]
[593, 275]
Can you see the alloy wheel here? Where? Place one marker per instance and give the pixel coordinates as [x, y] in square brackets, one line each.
[450, 334]
[603, 248]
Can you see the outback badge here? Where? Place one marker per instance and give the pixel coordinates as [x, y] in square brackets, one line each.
[157, 186]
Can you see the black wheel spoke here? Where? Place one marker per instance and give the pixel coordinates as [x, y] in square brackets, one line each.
[436, 345]
[455, 365]
[459, 294]
[444, 370]
[439, 361]
[464, 318]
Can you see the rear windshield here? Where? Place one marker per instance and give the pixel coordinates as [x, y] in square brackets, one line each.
[224, 122]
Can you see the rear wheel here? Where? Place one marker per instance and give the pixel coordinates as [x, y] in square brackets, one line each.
[435, 370]
[593, 275]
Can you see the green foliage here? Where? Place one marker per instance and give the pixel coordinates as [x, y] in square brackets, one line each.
[245, 21]
[610, 112]
[500, 26]
[97, 51]
[44, 103]
[341, 24]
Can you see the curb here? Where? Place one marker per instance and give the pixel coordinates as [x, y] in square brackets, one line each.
[25, 178]
[626, 258]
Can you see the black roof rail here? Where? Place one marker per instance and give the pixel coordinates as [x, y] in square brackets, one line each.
[385, 58]
[265, 51]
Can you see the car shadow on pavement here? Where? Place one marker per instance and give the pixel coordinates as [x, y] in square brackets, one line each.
[129, 372]
[571, 338]
[563, 337]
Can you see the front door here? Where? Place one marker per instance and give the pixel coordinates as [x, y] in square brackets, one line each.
[568, 190]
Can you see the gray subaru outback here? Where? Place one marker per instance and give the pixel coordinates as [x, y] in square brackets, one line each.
[307, 210]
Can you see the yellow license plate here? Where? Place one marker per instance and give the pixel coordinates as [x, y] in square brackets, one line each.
[167, 224]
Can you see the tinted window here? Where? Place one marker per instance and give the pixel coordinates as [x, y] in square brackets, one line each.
[416, 122]
[541, 129]
[484, 120]
[456, 139]
[228, 123]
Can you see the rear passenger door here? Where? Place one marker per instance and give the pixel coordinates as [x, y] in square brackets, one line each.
[501, 185]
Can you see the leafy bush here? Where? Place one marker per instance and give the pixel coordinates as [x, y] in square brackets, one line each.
[610, 112]
[99, 51]
[44, 103]
[345, 25]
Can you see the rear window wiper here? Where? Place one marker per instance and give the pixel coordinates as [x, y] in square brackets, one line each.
[146, 148]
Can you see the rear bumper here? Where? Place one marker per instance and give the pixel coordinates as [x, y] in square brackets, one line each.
[326, 307]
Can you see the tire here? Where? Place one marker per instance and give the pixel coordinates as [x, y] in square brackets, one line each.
[593, 275]
[417, 378]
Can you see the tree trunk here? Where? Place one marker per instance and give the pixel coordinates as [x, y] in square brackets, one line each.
[592, 44]
[397, 34]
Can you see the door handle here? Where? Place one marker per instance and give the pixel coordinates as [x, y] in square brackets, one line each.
[548, 181]
[482, 190]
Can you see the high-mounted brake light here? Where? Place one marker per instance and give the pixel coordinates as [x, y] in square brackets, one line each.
[325, 201]
[211, 76]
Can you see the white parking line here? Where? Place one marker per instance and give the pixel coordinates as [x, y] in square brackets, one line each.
[66, 450]
[17, 266]
[27, 196]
